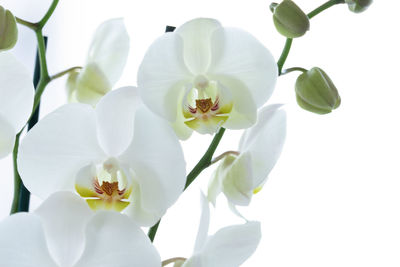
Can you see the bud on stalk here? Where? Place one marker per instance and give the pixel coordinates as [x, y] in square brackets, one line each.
[289, 19]
[316, 92]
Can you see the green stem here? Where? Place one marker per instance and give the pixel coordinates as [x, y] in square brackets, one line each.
[203, 163]
[153, 230]
[288, 44]
[17, 178]
[48, 14]
[62, 73]
[33, 26]
[21, 194]
[284, 54]
[324, 7]
[289, 70]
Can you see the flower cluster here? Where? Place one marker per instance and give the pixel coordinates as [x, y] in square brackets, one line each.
[111, 162]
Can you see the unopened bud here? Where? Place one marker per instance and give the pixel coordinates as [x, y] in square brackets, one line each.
[316, 92]
[290, 20]
[358, 6]
[8, 30]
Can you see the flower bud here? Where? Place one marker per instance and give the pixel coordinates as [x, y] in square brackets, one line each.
[316, 92]
[290, 20]
[358, 6]
[8, 30]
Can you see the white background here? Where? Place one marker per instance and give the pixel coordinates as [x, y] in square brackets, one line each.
[333, 199]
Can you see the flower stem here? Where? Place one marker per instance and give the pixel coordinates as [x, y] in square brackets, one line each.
[203, 163]
[41, 80]
[48, 14]
[289, 70]
[62, 73]
[153, 230]
[172, 260]
[288, 44]
[324, 7]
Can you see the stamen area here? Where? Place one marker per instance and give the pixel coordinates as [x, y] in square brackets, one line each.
[104, 187]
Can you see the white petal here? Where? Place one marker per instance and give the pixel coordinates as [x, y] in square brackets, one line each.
[214, 186]
[115, 116]
[64, 217]
[244, 111]
[239, 55]
[57, 148]
[196, 35]
[231, 246]
[181, 129]
[162, 75]
[23, 242]
[264, 141]
[110, 48]
[238, 179]
[7, 137]
[16, 91]
[114, 240]
[156, 158]
[202, 233]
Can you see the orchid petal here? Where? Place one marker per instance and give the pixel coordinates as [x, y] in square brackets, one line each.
[57, 148]
[202, 233]
[237, 181]
[115, 116]
[114, 240]
[16, 91]
[162, 75]
[196, 35]
[7, 137]
[244, 111]
[64, 217]
[264, 141]
[231, 246]
[110, 48]
[156, 158]
[237, 54]
[23, 242]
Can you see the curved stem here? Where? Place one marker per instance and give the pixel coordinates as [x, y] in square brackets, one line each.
[324, 7]
[230, 152]
[62, 73]
[288, 44]
[172, 260]
[289, 70]
[48, 14]
[284, 54]
[33, 26]
[203, 163]
[17, 178]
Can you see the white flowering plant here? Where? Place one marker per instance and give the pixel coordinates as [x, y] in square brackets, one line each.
[110, 162]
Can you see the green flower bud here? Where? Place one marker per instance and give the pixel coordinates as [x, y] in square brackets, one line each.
[358, 6]
[8, 30]
[316, 92]
[290, 20]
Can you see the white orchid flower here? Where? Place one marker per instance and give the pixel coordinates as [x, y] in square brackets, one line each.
[64, 232]
[241, 176]
[105, 63]
[16, 100]
[204, 76]
[229, 247]
[118, 156]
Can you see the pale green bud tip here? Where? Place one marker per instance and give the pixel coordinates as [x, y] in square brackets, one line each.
[316, 92]
[290, 20]
[8, 30]
[358, 6]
